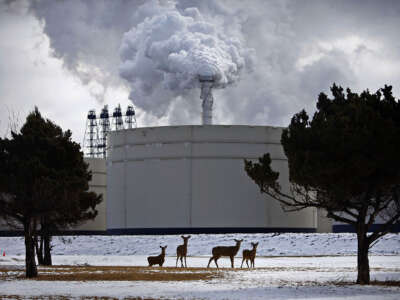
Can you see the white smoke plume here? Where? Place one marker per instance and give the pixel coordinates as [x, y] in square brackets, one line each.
[157, 47]
[171, 48]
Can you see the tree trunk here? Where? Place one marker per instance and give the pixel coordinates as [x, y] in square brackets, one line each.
[30, 264]
[39, 249]
[362, 257]
[47, 250]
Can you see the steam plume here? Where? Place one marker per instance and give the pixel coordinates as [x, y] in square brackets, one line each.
[301, 47]
[171, 48]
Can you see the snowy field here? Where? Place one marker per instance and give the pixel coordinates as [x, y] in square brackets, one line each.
[288, 266]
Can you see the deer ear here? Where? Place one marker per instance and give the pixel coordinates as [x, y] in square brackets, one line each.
[182, 236]
[189, 236]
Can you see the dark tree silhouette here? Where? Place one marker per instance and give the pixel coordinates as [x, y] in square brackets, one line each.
[345, 160]
[43, 177]
[79, 208]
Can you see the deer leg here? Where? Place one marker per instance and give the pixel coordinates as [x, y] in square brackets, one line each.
[247, 263]
[185, 263]
[252, 263]
[216, 262]
[210, 261]
[231, 257]
[181, 261]
[241, 266]
[177, 257]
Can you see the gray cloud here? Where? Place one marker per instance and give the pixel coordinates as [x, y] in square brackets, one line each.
[86, 35]
[301, 48]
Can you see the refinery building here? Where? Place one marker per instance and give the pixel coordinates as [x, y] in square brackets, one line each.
[185, 179]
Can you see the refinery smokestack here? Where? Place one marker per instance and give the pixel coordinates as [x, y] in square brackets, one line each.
[207, 82]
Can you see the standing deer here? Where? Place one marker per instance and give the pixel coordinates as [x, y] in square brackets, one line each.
[230, 251]
[181, 251]
[250, 255]
[157, 260]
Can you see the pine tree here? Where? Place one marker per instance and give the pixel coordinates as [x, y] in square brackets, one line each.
[43, 177]
[346, 161]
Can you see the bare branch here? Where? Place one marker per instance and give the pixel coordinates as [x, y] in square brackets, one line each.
[340, 218]
[385, 228]
[349, 212]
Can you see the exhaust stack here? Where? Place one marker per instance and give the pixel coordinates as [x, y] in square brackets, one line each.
[207, 82]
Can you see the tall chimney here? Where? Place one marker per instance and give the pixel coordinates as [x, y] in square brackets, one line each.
[207, 82]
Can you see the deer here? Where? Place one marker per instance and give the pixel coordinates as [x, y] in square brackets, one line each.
[157, 260]
[249, 255]
[230, 251]
[181, 251]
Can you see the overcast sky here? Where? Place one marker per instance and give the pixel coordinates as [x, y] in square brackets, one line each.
[67, 57]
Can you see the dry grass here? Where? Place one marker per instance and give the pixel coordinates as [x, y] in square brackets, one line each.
[105, 273]
[386, 283]
[114, 273]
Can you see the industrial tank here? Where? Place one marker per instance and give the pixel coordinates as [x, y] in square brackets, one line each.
[177, 179]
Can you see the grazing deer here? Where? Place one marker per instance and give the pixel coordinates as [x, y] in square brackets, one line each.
[250, 255]
[157, 260]
[219, 251]
[181, 251]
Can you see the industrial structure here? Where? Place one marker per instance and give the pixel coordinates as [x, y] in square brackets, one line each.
[177, 179]
[206, 82]
[191, 179]
[185, 179]
[97, 129]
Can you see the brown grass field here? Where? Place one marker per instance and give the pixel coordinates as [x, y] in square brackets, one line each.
[114, 273]
[106, 273]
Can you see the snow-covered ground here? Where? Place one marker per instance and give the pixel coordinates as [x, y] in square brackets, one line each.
[288, 244]
[288, 266]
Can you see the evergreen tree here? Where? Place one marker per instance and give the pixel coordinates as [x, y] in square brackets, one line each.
[346, 161]
[43, 177]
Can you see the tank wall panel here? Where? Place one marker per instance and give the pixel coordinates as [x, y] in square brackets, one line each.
[117, 138]
[224, 196]
[232, 133]
[158, 193]
[158, 150]
[156, 134]
[98, 179]
[193, 176]
[276, 215]
[115, 195]
[236, 150]
[209, 133]
[98, 184]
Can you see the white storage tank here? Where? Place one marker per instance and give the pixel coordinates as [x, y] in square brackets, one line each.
[98, 184]
[191, 179]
